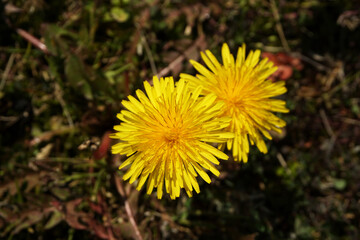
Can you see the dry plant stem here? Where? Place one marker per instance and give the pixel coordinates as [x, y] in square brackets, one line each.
[147, 50]
[278, 26]
[58, 95]
[130, 53]
[330, 132]
[9, 9]
[317, 65]
[7, 70]
[110, 234]
[108, 226]
[46, 136]
[33, 40]
[127, 83]
[172, 65]
[181, 58]
[166, 218]
[128, 210]
[351, 121]
[344, 83]
[149, 54]
[304, 58]
[326, 123]
[283, 162]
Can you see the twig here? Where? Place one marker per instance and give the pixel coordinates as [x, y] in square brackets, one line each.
[128, 209]
[278, 26]
[7, 70]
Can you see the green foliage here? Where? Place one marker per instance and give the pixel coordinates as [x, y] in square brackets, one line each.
[57, 177]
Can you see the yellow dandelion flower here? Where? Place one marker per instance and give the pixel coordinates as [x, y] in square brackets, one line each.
[164, 135]
[243, 86]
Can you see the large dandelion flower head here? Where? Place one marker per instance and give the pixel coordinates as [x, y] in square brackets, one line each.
[244, 87]
[165, 135]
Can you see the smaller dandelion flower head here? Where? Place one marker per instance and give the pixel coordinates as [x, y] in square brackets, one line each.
[244, 87]
[165, 135]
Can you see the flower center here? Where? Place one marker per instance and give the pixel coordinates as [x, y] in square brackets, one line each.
[172, 136]
[233, 106]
